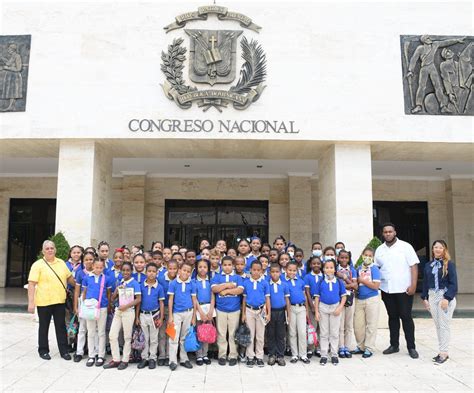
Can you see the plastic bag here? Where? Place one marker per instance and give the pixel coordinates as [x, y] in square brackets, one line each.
[171, 331]
[242, 335]
[191, 343]
[138, 338]
[207, 333]
[72, 329]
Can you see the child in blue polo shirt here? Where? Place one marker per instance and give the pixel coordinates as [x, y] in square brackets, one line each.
[227, 287]
[263, 259]
[139, 263]
[103, 249]
[93, 285]
[329, 303]
[115, 272]
[128, 293]
[244, 249]
[256, 311]
[215, 262]
[348, 275]
[151, 315]
[87, 261]
[181, 303]
[158, 260]
[299, 314]
[164, 281]
[311, 281]
[240, 267]
[366, 315]
[205, 304]
[281, 312]
[299, 259]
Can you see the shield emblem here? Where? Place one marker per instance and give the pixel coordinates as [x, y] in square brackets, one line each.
[212, 55]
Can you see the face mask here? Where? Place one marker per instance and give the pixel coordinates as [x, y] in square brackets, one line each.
[291, 254]
[367, 260]
[329, 258]
[338, 250]
[317, 253]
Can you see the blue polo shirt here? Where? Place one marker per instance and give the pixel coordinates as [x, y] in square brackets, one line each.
[115, 277]
[311, 280]
[92, 283]
[203, 290]
[108, 264]
[164, 281]
[349, 271]
[140, 277]
[365, 292]
[228, 303]
[279, 291]
[80, 276]
[248, 262]
[330, 292]
[183, 292]
[151, 296]
[296, 287]
[161, 271]
[256, 291]
[73, 269]
[214, 272]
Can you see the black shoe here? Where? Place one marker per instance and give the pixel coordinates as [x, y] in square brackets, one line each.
[90, 362]
[309, 354]
[271, 360]
[221, 361]
[260, 363]
[186, 364]
[323, 361]
[71, 349]
[161, 362]
[281, 362]
[110, 364]
[122, 366]
[99, 362]
[294, 359]
[108, 351]
[206, 360]
[334, 360]
[288, 352]
[167, 362]
[367, 354]
[357, 351]
[391, 349]
[305, 360]
[250, 363]
[441, 360]
[199, 361]
[142, 364]
[45, 356]
[232, 362]
[173, 366]
[317, 353]
[151, 364]
[413, 353]
[77, 358]
[348, 354]
[66, 356]
[436, 358]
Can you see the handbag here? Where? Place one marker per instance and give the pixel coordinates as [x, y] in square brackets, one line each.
[138, 339]
[207, 332]
[191, 343]
[349, 299]
[242, 335]
[311, 335]
[69, 296]
[90, 308]
[72, 329]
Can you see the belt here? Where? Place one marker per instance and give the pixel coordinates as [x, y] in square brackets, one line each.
[299, 304]
[279, 309]
[203, 303]
[149, 312]
[254, 308]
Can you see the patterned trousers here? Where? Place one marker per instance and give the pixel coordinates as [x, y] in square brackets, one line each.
[441, 318]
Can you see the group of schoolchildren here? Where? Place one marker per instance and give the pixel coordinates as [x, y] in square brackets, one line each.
[273, 290]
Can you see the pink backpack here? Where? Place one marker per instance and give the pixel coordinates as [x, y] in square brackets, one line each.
[207, 333]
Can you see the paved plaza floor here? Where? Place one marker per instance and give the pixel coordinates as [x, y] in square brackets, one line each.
[21, 369]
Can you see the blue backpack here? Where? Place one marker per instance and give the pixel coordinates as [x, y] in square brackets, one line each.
[191, 343]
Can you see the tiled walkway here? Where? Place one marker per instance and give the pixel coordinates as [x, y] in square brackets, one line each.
[22, 370]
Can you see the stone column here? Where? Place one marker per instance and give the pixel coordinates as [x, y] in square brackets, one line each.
[84, 191]
[345, 196]
[133, 207]
[300, 210]
[460, 203]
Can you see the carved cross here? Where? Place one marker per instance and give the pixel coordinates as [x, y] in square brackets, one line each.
[212, 40]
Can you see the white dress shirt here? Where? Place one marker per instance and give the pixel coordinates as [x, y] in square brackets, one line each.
[395, 266]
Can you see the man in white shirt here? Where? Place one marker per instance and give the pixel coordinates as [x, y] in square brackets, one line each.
[398, 265]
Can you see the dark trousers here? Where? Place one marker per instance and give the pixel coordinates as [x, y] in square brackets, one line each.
[398, 307]
[276, 333]
[58, 312]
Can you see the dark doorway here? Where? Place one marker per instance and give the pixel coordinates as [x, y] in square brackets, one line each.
[411, 220]
[31, 222]
[189, 221]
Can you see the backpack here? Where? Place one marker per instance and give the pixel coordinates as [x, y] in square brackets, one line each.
[207, 333]
[138, 339]
[311, 335]
[242, 335]
[191, 343]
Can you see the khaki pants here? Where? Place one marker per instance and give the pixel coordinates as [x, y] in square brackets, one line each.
[151, 336]
[182, 321]
[163, 349]
[257, 334]
[122, 320]
[346, 328]
[227, 322]
[93, 327]
[329, 326]
[366, 319]
[297, 331]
